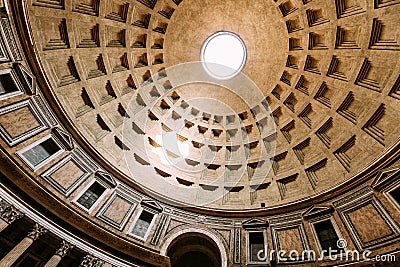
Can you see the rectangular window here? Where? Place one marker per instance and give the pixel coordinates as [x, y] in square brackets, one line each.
[8, 84]
[41, 152]
[91, 195]
[395, 194]
[256, 243]
[142, 225]
[327, 236]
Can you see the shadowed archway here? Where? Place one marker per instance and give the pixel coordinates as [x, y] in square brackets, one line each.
[194, 250]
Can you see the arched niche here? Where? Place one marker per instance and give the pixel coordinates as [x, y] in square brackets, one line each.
[194, 246]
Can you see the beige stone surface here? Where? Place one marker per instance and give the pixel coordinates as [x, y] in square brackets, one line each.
[369, 224]
[117, 210]
[19, 121]
[290, 240]
[67, 174]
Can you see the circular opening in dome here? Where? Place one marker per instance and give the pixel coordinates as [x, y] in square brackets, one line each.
[223, 55]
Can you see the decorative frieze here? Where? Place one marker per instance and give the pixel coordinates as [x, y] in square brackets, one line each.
[64, 249]
[8, 212]
[37, 232]
[91, 261]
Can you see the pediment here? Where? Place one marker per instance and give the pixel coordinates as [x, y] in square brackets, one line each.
[385, 177]
[152, 204]
[64, 137]
[28, 79]
[315, 211]
[254, 223]
[107, 178]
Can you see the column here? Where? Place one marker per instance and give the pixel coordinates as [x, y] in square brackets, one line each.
[91, 261]
[8, 214]
[61, 252]
[22, 246]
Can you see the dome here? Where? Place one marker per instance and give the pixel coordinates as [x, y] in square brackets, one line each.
[227, 125]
